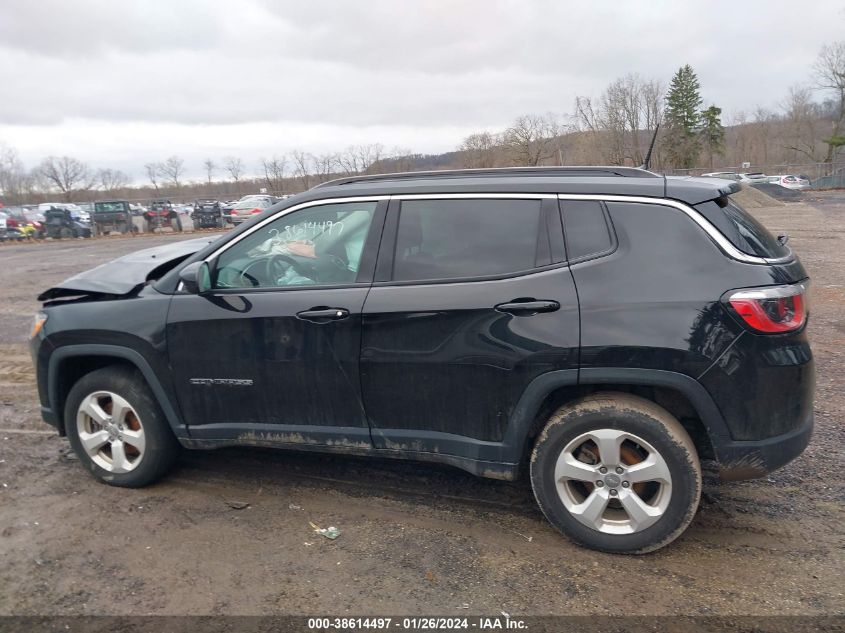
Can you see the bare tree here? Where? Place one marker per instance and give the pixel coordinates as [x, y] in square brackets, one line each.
[14, 181]
[274, 173]
[479, 150]
[210, 168]
[112, 179]
[152, 174]
[325, 166]
[235, 167]
[614, 123]
[359, 159]
[532, 139]
[830, 76]
[173, 169]
[302, 167]
[801, 116]
[66, 174]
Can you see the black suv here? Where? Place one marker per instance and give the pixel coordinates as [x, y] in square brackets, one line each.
[605, 329]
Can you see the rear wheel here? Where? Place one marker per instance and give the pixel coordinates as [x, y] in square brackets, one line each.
[616, 473]
[117, 429]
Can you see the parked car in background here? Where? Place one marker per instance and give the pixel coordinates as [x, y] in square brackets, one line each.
[86, 207]
[790, 181]
[245, 209]
[19, 224]
[77, 213]
[754, 178]
[226, 210]
[61, 223]
[161, 214]
[726, 175]
[112, 215]
[207, 214]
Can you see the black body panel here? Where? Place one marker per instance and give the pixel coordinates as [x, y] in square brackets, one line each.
[460, 364]
[432, 369]
[283, 370]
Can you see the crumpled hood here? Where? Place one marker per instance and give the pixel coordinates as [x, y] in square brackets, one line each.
[123, 275]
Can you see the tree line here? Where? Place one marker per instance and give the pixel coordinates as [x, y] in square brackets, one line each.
[613, 128]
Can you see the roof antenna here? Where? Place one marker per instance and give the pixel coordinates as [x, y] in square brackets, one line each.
[647, 160]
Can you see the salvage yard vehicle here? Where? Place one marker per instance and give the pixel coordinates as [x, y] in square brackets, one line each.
[207, 214]
[22, 225]
[112, 215]
[161, 214]
[249, 207]
[605, 329]
[59, 222]
[790, 181]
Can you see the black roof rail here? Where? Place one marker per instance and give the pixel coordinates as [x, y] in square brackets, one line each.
[624, 172]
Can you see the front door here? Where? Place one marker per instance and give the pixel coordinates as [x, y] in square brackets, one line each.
[271, 352]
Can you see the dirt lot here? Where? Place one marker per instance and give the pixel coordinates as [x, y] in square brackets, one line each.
[416, 538]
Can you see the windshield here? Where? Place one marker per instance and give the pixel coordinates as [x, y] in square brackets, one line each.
[107, 207]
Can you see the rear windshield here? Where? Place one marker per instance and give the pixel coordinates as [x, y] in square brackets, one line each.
[743, 230]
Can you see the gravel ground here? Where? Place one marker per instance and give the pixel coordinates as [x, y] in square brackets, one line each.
[416, 538]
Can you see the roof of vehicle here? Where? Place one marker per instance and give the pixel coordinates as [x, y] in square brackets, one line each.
[628, 181]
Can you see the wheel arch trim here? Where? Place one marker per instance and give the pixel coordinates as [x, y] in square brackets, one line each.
[64, 353]
[528, 406]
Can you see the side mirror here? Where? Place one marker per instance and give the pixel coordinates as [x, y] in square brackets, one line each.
[195, 278]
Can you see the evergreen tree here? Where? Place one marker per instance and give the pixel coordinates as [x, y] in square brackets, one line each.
[682, 141]
[712, 132]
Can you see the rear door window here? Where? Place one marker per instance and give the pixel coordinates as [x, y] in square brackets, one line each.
[743, 230]
[458, 239]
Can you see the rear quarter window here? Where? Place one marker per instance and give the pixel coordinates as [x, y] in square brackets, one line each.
[742, 229]
[587, 229]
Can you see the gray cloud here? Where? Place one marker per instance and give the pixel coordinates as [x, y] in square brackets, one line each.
[409, 70]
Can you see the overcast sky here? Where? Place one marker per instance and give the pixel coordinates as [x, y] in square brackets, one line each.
[119, 83]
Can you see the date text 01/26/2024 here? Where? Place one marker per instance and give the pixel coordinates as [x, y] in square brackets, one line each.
[416, 623]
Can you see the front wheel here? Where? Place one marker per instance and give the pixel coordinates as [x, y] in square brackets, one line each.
[616, 473]
[117, 429]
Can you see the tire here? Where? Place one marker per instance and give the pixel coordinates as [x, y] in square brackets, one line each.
[176, 223]
[147, 444]
[122, 228]
[591, 507]
[66, 233]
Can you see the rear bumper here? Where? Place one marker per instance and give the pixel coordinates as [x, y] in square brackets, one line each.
[751, 459]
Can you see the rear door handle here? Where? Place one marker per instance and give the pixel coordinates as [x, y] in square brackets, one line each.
[528, 307]
[323, 315]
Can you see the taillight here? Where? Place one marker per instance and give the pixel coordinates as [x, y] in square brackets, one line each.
[771, 309]
[254, 211]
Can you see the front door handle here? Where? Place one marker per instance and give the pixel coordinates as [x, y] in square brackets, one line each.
[322, 314]
[528, 307]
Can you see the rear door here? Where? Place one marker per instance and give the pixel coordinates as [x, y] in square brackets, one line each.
[471, 301]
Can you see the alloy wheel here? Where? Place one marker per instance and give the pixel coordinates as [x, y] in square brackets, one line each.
[613, 481]
[110, 432]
